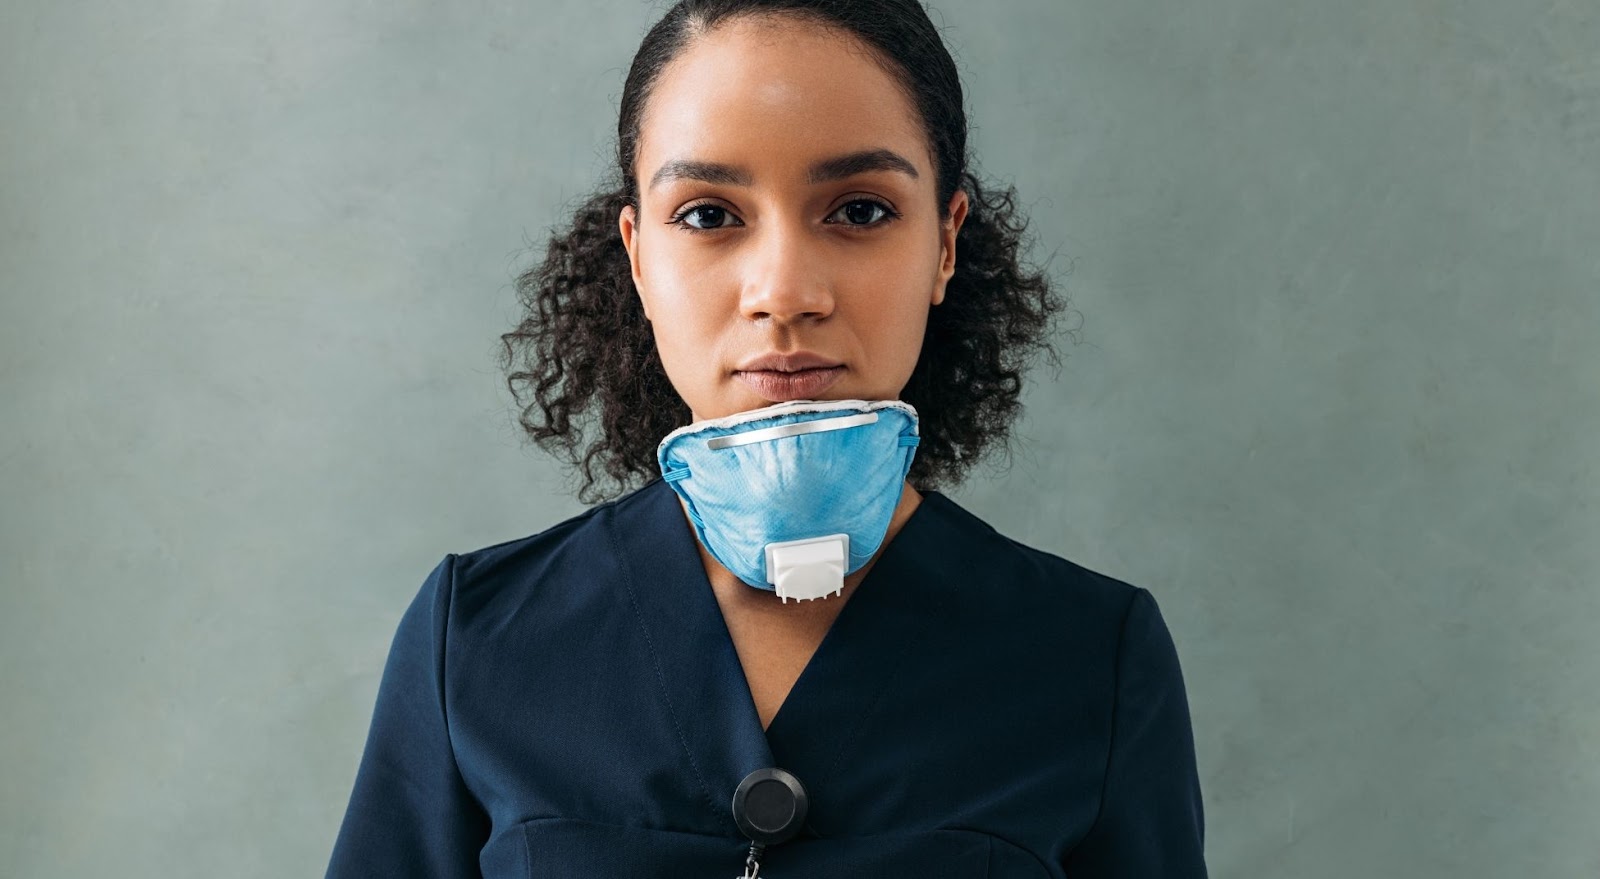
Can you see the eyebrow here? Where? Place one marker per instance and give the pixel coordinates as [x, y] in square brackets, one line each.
[827, 170]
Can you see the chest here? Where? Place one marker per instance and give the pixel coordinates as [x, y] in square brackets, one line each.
[774, 648]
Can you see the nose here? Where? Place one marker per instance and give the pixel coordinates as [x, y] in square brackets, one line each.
[787, 281]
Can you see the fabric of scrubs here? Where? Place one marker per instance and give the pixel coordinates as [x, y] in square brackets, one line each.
[570, 704]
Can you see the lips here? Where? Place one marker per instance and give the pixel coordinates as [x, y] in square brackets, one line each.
[779, 377]
[777, 386]
[794, 361]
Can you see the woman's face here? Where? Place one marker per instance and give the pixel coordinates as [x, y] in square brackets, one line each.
[779, 215]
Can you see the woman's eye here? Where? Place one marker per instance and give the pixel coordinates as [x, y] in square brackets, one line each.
[860, 212]
[706, 212]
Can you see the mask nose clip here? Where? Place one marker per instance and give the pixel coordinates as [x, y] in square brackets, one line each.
[809, 568]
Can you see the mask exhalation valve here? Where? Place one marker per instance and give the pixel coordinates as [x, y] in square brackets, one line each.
[809, 568]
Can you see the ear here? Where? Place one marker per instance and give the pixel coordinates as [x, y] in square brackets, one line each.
[947, 243]
[627, 224]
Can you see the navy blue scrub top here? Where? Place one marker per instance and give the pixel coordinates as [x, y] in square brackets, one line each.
[570, 705]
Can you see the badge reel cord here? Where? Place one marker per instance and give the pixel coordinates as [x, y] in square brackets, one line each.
[737, 473]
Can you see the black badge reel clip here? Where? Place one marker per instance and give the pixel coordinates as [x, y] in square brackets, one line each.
[769, 807]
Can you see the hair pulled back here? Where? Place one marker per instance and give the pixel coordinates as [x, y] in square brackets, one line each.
[585, 352]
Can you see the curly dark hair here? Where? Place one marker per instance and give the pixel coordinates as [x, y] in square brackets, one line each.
[583, 345]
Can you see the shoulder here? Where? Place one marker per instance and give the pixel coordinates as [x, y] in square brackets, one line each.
[518, 571]
[1031, 580]
[1069, 637]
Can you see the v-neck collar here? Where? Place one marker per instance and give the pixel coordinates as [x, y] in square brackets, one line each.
[831, 703]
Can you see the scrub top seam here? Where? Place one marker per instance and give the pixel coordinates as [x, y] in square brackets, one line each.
[655, 662]
[444, 696]
[1111, 735]
[527, 852]
[992, 837]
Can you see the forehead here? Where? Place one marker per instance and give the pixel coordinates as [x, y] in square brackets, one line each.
[773, 97]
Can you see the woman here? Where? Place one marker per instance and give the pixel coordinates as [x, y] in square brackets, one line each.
[794, 243]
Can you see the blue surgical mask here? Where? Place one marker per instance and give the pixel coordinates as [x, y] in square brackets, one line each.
[794, 496]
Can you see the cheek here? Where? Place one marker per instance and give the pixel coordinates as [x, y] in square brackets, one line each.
[684, 317]
[888, 328]
[895, 318]
[675, 299]
[684, 321]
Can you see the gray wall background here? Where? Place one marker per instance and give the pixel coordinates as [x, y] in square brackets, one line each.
[1331, 392]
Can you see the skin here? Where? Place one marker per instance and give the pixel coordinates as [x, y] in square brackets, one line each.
[785, 264]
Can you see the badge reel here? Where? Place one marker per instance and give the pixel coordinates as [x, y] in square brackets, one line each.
[769, 807]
